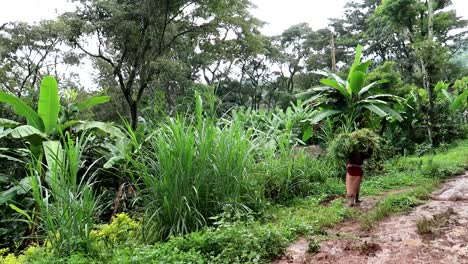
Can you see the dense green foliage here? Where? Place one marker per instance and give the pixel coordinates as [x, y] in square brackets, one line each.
[190, 172]
[354, 147]
[238, 238]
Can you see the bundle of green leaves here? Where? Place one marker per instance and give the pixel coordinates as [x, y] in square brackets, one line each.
[354, 147]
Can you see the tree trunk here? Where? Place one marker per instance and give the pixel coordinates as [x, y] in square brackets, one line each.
[134, 114]
[430, 23]
[332, 48]
[427, 74]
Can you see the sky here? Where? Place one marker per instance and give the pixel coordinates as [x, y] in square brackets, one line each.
[279, 14]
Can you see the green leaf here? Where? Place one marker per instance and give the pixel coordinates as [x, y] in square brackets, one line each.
[22, 109]
[10, 158]
[375, 109]
[306, 94]
[339, 80]
[422, 93]
[356, 81]
[105, 127]
[53, 153]
[49, 104]
[22, 132]
[68, 124]
[324, 114]
[22, 212]
[337, 86]
[5, 153]
[320, 72]
[7, 195]
[318, 89]
[447, 95]
[93, 101]
[372, 101]
[388, 96]
[314, 98]
[391, 112]
[4, 132]
[460, 101]
[8, 123]
[121, 140]
[307, 134]
[370, 86]
[363, 67]
[441, 86]
[24, 186]
[331, 83]
[357, 57]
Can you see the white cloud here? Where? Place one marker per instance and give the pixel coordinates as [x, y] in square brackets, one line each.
[280, 14]
[32, 10]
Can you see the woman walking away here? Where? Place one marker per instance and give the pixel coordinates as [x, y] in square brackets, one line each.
[354, 175]
[353, 149]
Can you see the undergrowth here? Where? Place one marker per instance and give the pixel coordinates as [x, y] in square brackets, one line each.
[260, 238]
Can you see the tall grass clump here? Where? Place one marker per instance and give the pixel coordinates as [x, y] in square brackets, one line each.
[62, 191]
[288, 174]
[190, 171]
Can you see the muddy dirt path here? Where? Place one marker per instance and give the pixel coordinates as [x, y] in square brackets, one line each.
[435, 232]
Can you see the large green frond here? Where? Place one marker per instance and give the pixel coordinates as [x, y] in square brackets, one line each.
[22, 109]
[49, 103]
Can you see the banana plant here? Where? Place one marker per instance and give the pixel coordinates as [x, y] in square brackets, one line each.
[458, 102]
[44, 128]
[351, 98]
[43, 125]
[51, 119]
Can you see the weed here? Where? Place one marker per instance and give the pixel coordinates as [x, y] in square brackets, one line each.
[314, 246]
[65, 198]
[432, 227]
[369, 248]
[390, 205]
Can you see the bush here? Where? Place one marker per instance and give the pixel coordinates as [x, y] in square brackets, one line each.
[287, 175]
[121, 231]
[235, 243]
[294, 124]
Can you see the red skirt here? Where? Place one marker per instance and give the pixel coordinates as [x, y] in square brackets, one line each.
[354, 170]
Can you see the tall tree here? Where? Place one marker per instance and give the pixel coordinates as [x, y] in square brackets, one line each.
[136, 37]
[293, 43]
[429, 29]
[27, 52]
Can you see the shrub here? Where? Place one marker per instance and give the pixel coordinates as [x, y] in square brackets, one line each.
[271, 127]
[121, 231]
[287, 175]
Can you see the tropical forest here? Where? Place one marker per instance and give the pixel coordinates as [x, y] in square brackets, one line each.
[180, 131]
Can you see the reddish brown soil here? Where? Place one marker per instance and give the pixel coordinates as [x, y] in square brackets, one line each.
[395, 240]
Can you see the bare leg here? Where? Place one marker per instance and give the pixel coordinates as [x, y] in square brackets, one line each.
[352, 188]
[358, 189]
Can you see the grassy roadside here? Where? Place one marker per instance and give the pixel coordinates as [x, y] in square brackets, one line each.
[251, 239]
[421, 175]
